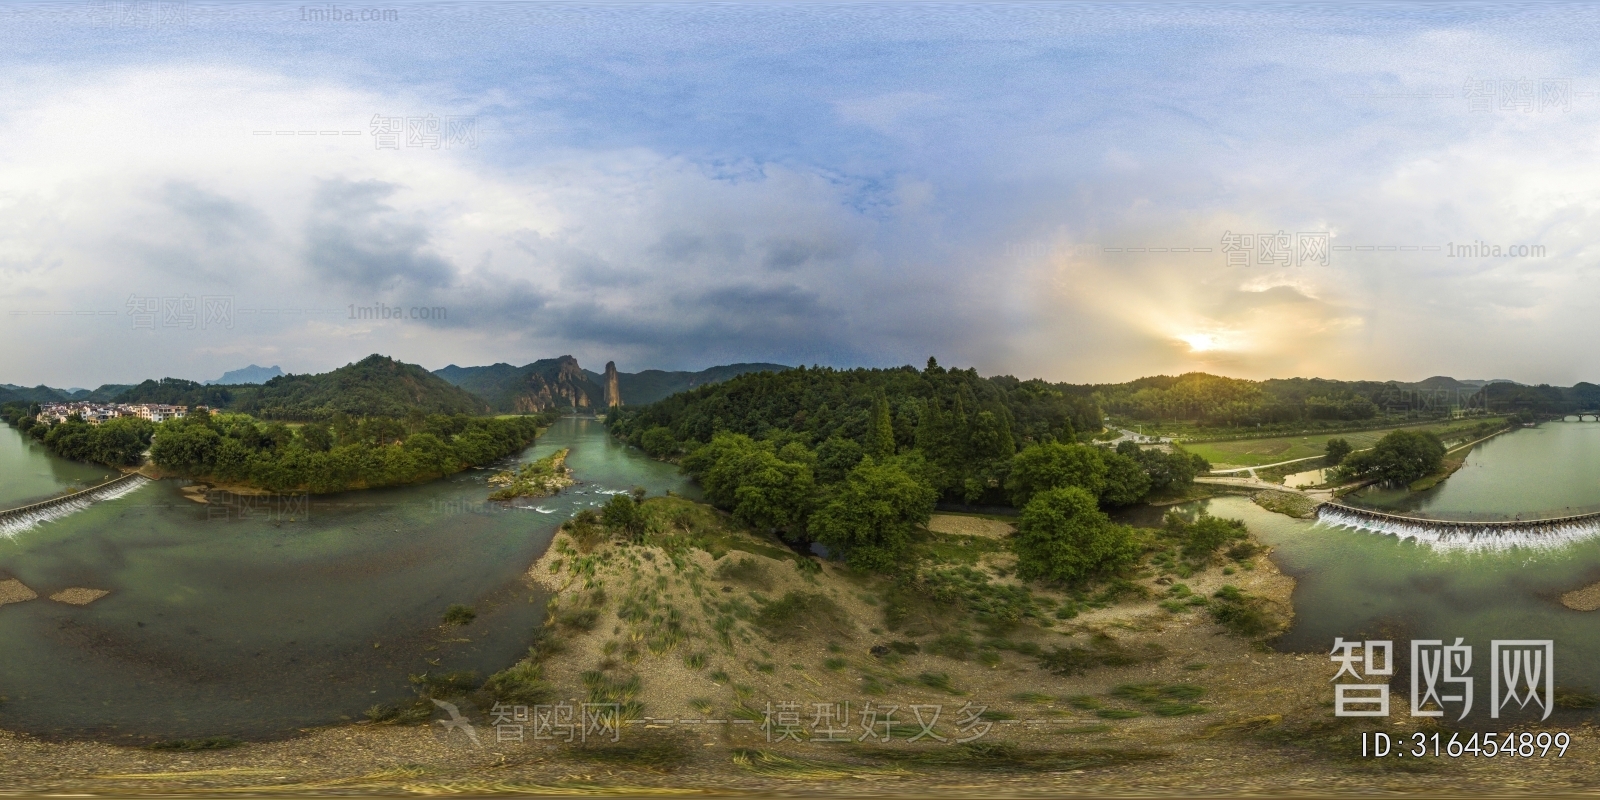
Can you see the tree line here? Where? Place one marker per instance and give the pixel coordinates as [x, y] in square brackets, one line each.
[858, 460]
[966, 427]
[118, 442]
[342, 454]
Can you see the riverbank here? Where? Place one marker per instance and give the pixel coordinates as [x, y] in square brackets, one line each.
[1248, 720]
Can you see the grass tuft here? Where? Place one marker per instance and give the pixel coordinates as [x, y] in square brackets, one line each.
[459, 615]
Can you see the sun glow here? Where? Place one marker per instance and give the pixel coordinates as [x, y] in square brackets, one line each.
[1200, 342]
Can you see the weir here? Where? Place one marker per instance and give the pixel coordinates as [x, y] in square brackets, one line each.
[16, 520]
[1463, 534]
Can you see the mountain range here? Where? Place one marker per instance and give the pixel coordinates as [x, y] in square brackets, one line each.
[378, 385]
[381, 386]
[556, 382]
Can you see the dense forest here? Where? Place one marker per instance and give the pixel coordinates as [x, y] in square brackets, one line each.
[856, 459]
[344, 453]
[116, 443]
[967, 427]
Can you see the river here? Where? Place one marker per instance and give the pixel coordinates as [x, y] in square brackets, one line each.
[30, 473]
[260, 626]
[1548, 470]
[257, 621]
[1361, 585]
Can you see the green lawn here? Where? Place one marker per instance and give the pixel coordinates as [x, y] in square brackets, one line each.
[1255, 452]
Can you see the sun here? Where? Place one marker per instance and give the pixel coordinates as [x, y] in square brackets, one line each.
[1199, 342]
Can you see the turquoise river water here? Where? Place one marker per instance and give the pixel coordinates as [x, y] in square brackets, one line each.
[261, 626]
[289, 616]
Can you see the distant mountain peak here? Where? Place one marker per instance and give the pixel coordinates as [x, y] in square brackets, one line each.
[248, 375]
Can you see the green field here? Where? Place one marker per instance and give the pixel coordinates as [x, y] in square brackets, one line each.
[1255, 452]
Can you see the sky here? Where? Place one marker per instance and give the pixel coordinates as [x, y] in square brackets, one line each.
[1076, 192]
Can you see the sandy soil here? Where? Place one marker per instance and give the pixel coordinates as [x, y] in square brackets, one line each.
[970, 526]
[78, 596]
[1585, 599]
[13, 591]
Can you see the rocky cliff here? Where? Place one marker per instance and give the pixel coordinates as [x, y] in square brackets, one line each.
[545, 384]
[613, 391]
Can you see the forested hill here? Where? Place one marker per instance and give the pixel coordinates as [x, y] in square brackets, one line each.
[376, 386]
[966, 426]
[1211, 400]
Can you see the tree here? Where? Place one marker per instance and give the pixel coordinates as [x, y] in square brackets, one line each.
[1063, 536]
[1165, 470]
[1399, 457]
[773, 493]
[317, 436]
[720, 466]
[836, 457]
[880, 437]
[1335, 451]
[187, 449]
[869, 518]
[658, 442]
[1126, 480]
[1054, 465]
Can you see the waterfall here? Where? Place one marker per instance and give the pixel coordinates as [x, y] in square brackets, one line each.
[18, 520]
[1476, 536]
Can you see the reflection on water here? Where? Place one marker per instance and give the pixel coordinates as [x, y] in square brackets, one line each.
[1552, 468]
[28, 473]
[260, 626]
[1313, 477]
[1359, 585]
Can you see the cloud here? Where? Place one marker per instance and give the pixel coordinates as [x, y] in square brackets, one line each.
[353, 237]
[703, 194]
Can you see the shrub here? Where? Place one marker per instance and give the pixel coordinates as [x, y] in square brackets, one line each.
[1239, 612]
[522, 684]
[459, 615]
[957, 645]
[1202, 537]
[622, 516]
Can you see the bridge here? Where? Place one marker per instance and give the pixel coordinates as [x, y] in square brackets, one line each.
[13, 520]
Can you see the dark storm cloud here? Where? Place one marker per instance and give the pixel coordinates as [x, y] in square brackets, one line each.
[764, 319]
[357, 240]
